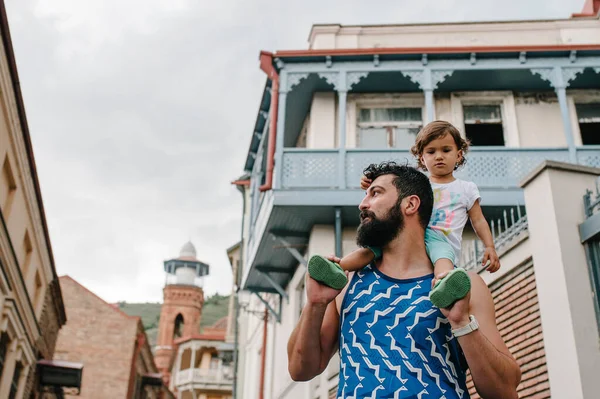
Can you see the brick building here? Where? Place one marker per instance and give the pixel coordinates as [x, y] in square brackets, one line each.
[118, 362]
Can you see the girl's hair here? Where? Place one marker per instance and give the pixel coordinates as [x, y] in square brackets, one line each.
[436, 130]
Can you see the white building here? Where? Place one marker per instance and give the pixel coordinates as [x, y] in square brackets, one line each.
[527, 95]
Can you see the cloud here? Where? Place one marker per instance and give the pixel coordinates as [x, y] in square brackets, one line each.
[141, 113]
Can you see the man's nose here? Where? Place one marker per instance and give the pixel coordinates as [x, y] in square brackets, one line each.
[364, 204]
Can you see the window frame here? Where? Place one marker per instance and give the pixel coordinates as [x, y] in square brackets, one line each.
[574, 98]
[504, 99]
[4, 349]
[390, 126]
[357, 101]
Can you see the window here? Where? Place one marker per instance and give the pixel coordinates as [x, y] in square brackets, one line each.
[8, 187]
[4, 342]
[388, 127]
[178, 328]
[14, 385]
[588, 116]
[37, 290]
[483, 125]
[27, 251]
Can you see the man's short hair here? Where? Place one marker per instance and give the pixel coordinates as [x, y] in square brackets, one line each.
[408, 181]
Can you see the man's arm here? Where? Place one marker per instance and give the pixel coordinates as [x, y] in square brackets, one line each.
[314, 340]
[495, 372]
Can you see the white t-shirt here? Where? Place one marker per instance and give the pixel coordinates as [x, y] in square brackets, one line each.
[451, 204]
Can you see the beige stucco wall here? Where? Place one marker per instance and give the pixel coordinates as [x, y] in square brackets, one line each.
[321, 126]
[540, 124]
[555, 208]
[528, 121]
[580, 31]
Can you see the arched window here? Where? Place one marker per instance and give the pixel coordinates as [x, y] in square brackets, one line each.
[178, 330]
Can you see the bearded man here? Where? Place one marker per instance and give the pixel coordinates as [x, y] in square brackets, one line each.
[393, 342]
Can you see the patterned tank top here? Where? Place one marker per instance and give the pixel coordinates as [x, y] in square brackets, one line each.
[394, 343]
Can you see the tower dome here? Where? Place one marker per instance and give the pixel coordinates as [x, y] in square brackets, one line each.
[188, 251]
[186, 269]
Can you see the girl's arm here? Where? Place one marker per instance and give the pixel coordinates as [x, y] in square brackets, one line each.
[482, 229]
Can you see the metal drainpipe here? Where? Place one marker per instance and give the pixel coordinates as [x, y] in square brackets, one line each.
[261, 394]
[338, 232]
[236, 302]
[267, 67]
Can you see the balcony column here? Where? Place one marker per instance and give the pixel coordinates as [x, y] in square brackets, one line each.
[193, 359]
[560, 79]
[428, 80]
[342, 91]
[560, 86]
[428, 90]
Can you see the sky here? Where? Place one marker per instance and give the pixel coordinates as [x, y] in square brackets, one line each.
[141, 114]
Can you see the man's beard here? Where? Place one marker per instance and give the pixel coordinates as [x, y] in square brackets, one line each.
[379, 232]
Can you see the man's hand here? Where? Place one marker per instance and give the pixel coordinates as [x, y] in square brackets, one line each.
[457, 313]
[491, 256]
[364, 182]
[321, 294]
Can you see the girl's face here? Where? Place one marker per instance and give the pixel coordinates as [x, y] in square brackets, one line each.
[441, 156]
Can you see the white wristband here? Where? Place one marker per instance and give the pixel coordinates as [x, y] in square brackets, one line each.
[469, 328]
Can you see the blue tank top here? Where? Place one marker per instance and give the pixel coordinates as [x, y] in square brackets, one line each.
[394, 343]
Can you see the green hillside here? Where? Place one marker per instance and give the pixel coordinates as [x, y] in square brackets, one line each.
[215, 307]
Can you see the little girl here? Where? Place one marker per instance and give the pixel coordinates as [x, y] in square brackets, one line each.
[439, 149]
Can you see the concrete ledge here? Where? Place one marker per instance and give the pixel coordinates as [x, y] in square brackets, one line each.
[564, 166]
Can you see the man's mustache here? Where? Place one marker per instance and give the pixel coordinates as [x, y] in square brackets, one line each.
[367, 214]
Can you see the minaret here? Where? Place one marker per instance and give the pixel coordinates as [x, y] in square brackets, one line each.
[183, 298]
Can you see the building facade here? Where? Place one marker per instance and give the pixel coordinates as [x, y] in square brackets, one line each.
[31, 306]
[111, 345]
[525, 93]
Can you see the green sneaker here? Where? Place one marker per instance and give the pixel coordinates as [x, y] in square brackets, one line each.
[327, 272]
[450, 289]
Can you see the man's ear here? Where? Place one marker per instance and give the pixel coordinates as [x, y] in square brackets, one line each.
[411, 205]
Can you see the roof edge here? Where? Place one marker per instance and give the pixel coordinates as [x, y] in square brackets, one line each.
[432, 50]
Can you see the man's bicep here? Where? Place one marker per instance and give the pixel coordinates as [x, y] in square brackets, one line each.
[482, 307]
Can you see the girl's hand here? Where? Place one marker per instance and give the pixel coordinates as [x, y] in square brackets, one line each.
[365, 183]
[491, 257]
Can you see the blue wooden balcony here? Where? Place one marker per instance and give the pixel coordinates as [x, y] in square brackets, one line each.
[312, 187]
[493, 169]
